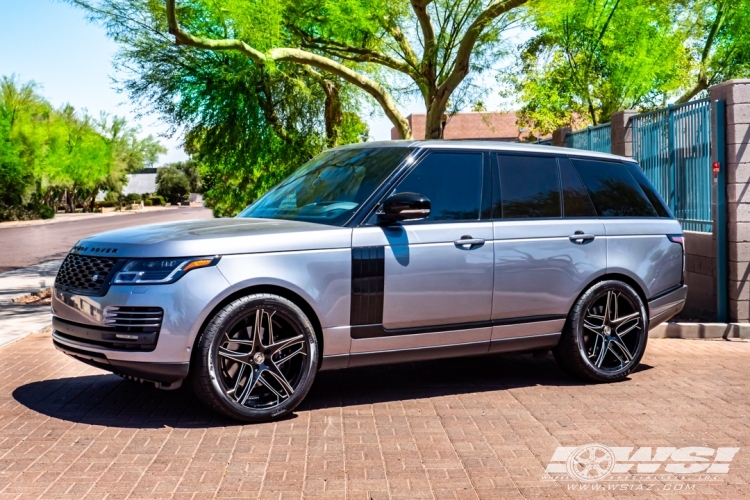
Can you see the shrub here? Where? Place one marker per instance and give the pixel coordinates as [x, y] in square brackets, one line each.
[46, 212]
[112, 196]
[173, 184]
[158, 200]
[106, 204]
[133, 198]
[28, 212]
[148, 202]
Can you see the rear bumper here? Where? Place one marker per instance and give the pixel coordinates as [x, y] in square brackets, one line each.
[666, 306]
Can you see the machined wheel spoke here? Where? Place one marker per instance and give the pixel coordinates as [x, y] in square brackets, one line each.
[607, 304]
[622, 348]
[252, 381]
[286, 358]
[239, 357]
[237, 341]
[279, 346]
[619, 321]
[240, 372]
[629, 329]
[268, 386]
[602, 353]
[594, 328]
[274, 370]
[596, 344]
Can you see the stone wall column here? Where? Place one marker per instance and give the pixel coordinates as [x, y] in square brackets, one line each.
[622, 132]
[560, 136]
[736, 95]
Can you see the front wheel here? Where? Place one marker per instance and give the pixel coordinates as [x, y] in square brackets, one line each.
[605, 335]
[256, 359]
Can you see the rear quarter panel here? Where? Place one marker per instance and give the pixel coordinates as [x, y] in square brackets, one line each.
[640, 249]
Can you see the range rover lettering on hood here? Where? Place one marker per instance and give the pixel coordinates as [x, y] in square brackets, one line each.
[81, 249]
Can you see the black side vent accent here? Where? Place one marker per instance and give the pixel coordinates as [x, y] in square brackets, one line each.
[368, 284]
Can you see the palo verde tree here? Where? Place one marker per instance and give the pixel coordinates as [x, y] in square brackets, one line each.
[590, 58]
[717, 35]
[371, 44]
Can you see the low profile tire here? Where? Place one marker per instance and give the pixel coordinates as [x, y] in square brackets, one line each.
[605, 335]
[256, 359]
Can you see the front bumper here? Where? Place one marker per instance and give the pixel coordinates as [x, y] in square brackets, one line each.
[79, 327]
[666, 306]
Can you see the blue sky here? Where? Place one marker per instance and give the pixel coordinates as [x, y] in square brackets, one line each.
[50, 42]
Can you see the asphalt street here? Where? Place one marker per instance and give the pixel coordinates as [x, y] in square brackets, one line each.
[29, 245]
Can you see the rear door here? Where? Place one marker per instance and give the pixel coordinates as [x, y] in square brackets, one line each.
[549, 243]
[637, 224]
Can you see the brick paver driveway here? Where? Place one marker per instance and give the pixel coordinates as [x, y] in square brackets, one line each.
[466, 428]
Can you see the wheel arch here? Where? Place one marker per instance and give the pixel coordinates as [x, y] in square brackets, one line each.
[286, 293]
[629, 280]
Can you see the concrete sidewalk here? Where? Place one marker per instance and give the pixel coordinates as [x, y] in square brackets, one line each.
[83, 216]
[19, 320]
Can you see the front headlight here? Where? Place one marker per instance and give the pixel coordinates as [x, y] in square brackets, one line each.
[159, 271]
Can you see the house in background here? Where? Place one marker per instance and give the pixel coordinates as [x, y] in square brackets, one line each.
[141, 182]
[472, 125]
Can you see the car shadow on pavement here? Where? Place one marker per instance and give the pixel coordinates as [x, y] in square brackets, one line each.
[111, 401]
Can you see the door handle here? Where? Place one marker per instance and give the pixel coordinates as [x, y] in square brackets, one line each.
[580, 237]
[467, 242]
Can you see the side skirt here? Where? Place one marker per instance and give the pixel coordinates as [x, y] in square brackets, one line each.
[517, 344]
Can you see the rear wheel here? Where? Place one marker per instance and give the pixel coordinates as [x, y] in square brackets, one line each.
[605, 336]
[256, 359]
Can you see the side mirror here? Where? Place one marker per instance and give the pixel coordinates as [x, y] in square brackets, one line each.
[404, 206]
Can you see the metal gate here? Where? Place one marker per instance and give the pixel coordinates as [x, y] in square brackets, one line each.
[673, 147]
[597, 138]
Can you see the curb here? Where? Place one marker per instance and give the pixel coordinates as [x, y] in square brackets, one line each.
[701, 331]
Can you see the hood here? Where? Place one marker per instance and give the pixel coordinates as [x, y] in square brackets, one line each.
[214, 237]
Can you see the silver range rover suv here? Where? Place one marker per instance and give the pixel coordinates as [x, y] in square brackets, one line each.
[381, 253]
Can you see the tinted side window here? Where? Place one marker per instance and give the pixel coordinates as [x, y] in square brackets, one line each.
[529, 187]
[576, 201]
[451, 181]
[613, 190]
[648, 188]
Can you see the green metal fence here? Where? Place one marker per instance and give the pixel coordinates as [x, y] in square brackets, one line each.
[673, 147]
[597, 138]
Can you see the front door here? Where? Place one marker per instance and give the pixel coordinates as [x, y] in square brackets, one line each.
[436, 273]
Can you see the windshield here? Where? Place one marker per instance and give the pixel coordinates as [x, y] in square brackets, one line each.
[329, 188]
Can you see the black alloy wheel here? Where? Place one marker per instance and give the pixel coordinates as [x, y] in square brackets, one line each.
[605, 335]
[256, 360]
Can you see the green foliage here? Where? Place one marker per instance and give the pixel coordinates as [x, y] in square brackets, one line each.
[147, 202]
[133, 198]
[591, 58]
[191, 169]
[54, 156]
[717, 39]
[112, 197]
[157, 200]
[172, 184]
[106, 204]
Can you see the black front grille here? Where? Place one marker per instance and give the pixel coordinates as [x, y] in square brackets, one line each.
[84, 274]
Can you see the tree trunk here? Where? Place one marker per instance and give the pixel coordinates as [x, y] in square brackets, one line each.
[434, 126]
[333, 114]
